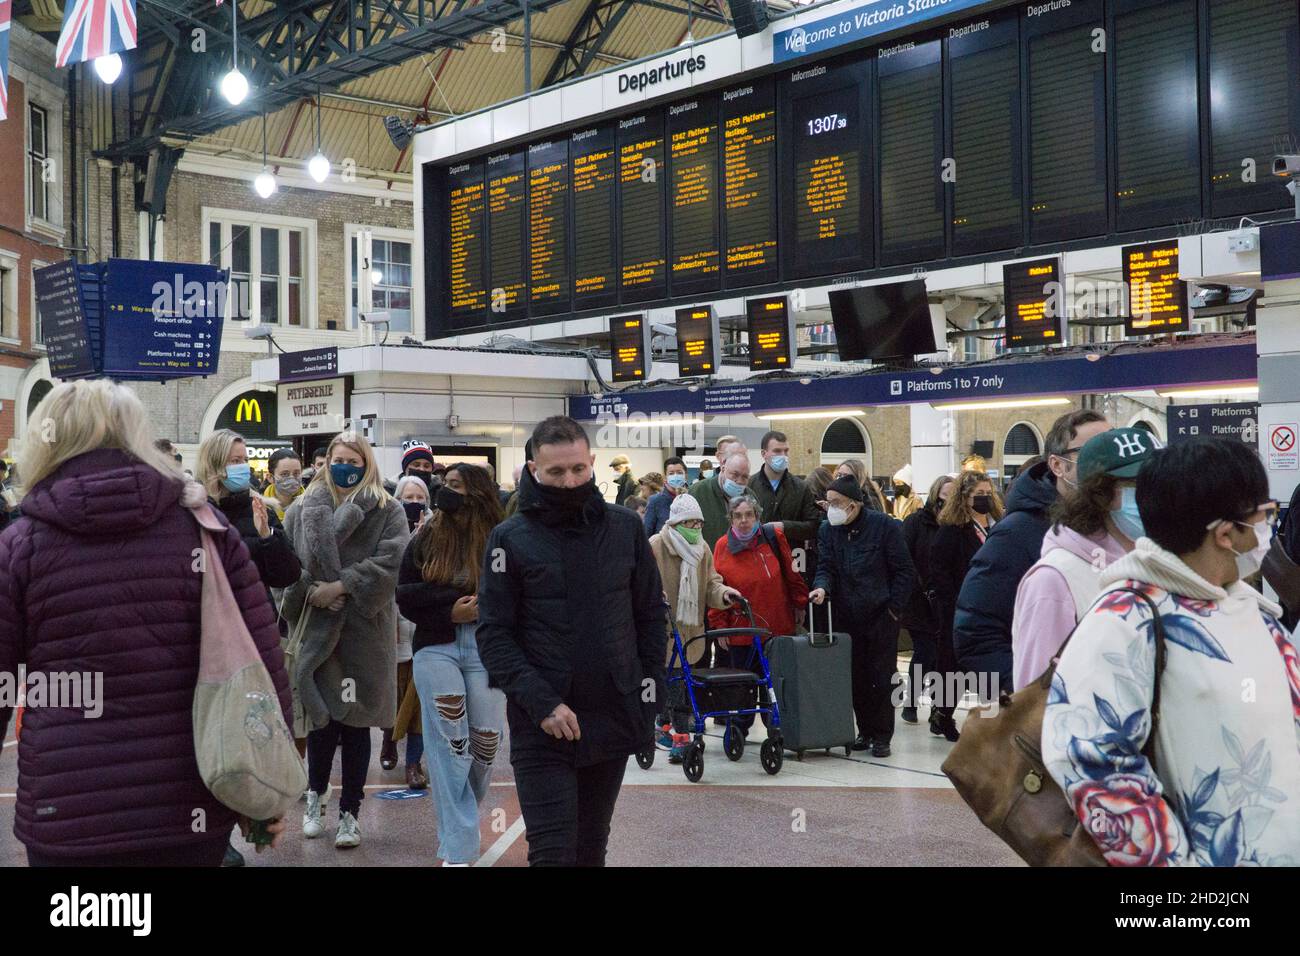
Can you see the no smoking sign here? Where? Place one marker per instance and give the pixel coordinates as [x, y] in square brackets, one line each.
[1282, 452]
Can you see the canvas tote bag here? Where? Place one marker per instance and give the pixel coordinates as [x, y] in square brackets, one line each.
[245, 753]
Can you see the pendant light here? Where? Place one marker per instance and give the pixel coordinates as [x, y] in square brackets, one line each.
[234, 85]
[264, 184]
[318, 167]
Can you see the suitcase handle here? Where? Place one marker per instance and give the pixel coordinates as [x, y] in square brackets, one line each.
[813, 640]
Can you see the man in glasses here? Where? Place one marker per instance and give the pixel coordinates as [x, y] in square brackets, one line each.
[986, 602]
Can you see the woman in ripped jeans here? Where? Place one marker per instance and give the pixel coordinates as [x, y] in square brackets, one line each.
[462, 715]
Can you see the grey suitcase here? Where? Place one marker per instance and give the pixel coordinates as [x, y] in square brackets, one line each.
[813, 678]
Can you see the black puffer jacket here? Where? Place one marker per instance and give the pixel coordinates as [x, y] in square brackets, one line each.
[918, 531]
[571, 611]
[274, 556]
[864, 566]
[425, 604]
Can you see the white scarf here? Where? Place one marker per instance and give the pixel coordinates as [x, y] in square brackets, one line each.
[688, 588]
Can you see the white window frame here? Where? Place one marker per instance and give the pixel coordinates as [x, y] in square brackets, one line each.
[38, 342]
[51, 224]
[308, 281]
[10, 262]
[351, 231]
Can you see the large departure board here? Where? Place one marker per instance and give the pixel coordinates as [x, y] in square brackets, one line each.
[987, 174]
[1067, 122]
[1255, 102]
[911, 152]
[1157, 297]
[1033, 296]
[466, 211]
[595, 217]
[826, 225]
[548, 227]
[641, 187]
[507, 236]
[693, 232]
[1158, 146]
[749, 184]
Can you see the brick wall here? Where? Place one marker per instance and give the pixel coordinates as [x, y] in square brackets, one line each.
[889, 429]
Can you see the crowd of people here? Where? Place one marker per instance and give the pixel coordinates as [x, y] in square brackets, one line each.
[439, 609]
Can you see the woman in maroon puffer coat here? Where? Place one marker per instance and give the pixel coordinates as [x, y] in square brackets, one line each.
[98, 578]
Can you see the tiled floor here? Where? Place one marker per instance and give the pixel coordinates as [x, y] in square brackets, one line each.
[824, 810]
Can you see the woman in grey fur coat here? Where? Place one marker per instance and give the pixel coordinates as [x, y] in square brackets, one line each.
[350, 535]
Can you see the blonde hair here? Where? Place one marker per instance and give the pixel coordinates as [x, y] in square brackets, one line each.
[371, 483]
[82, 416]
[213, 455]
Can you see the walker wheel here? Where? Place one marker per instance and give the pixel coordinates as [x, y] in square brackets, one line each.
[693, 763]
[772, 756]
[645, 758]
[733, 742]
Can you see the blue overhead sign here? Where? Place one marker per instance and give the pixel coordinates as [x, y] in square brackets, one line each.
[1150, 368]
[1237, 421]
[64, 329]
[162, 319]
[862, 23]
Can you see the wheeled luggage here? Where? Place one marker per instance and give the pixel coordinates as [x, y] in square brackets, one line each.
[813, 677]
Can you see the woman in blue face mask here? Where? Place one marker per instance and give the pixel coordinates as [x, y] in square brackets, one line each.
[224, 472]
[1091, 528]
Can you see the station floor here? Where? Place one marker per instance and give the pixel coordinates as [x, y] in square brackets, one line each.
[822, 811]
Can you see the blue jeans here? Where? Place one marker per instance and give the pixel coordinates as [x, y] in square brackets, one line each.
[462, 720]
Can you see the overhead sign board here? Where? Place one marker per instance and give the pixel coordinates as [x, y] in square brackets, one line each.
[1231, 420]
[771, 333]
[697, 341]
[162, 319]
[309, 364]
[630, 348]
[1032, 293]
[1157, 297]
[862, 22]
[63, 320]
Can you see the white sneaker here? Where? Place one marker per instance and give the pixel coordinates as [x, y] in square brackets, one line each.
[312, 826]
[349, 834]
[324, 797]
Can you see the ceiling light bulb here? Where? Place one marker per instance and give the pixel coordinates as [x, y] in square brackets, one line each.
[264, 184]
[234, 87]
[318, 167]
[108, 68]
[376, 277]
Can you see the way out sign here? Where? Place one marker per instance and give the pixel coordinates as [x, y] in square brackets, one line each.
[1283, 455]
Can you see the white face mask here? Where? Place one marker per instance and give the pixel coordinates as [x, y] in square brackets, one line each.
[837, 516]
[1248, 562]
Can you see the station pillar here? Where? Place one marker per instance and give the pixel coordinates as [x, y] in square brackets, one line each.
[932, 445]
[1277, 339]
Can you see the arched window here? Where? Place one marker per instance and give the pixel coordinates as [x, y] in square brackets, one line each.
[1021, 444]
[39, 391]
[845, 438]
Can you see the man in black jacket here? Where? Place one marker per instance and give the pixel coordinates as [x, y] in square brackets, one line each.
[571, 627]
[784, 497]
[981, 632]
[863, 565]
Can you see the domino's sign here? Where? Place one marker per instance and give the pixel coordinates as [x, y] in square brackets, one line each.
[870, 20]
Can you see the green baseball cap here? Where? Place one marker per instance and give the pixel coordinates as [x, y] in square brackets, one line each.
[1120, 453]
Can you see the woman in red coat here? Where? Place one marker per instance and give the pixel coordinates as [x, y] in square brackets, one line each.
[776, 592]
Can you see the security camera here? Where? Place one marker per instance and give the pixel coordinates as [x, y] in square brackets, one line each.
[375, 318]
[258, 332]
[1286, 164]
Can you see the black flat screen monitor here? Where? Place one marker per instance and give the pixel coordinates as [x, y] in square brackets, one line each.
[882, 321]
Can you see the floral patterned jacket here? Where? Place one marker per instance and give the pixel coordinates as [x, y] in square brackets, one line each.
[1225, 789]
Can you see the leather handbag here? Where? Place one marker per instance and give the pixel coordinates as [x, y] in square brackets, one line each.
[245, 753]
[997, 767]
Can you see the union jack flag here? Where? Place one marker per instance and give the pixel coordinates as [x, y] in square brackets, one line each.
[6, 8]
[95, 28]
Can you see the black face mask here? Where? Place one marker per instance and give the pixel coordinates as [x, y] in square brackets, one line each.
[983, 504]
[425, 477]
[448, 500]
[903, 490]
[413, 511]
[567, 499]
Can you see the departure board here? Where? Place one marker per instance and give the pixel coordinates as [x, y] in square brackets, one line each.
[629, 348]
[548, 227]
[749, 184]
[1158, 147]
[466, 211]
[826, 226]
[507, 236]
[595, 218]
[1255, 102]
[771, 333]
[697, 341]
[1067, 123]
[693, 231]
[1157, 297]
[988, 175]
[641, 184]
[1032, 294]
[911, 152]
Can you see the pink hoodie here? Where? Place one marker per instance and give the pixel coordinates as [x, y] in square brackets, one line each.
[1044, 615]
